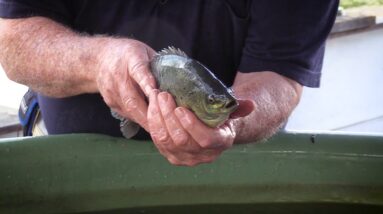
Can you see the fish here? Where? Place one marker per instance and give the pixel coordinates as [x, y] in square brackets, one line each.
[192, 86]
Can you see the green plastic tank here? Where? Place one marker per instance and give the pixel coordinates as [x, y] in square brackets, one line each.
[291, 173]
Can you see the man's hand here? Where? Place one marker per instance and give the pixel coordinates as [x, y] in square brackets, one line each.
[63, 63]
[274, 96]
[124, 79]
[181, 137]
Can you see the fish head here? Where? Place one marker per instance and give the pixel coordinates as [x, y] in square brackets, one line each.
[216, 101]
[220, 103]
[217, 108]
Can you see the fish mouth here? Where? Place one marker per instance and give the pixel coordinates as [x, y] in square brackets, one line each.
[231, 106]
[215, 120]
[218, 117]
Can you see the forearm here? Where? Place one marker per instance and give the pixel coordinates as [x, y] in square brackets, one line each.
[274, 97]
[49, 57]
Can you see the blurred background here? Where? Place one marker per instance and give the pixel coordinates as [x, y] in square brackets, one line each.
[351, 94]
[350, 97]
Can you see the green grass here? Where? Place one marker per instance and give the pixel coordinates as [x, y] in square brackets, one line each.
[357, 3]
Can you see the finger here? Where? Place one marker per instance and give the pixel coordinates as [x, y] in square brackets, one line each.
[205, 136]
[133, 104]
[245, 108]
[167, 106]
[157, 127]
[141, 73]
[150, 53]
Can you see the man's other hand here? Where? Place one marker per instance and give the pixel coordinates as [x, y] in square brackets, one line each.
[181, 137]
[124, 78]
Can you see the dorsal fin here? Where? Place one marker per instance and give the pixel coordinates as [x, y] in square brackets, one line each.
[172, 51]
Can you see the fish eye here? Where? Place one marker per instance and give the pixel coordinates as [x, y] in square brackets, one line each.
[211, 99]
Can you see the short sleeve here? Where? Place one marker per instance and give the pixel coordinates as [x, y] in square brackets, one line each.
[58, 10]
[288, 37]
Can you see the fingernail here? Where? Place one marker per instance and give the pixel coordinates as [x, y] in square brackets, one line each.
[148, 89]
[152, 95]
[180, 113]
[154, 92]
[163, 98]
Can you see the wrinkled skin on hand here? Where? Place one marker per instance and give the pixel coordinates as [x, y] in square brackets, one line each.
[125, 78]
[181, 137]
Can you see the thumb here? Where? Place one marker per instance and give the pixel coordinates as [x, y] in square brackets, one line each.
[245, 107]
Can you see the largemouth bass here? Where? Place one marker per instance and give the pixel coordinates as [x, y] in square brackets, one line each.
[192, 85]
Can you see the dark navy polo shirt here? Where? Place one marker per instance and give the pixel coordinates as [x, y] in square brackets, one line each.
[284, 36]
